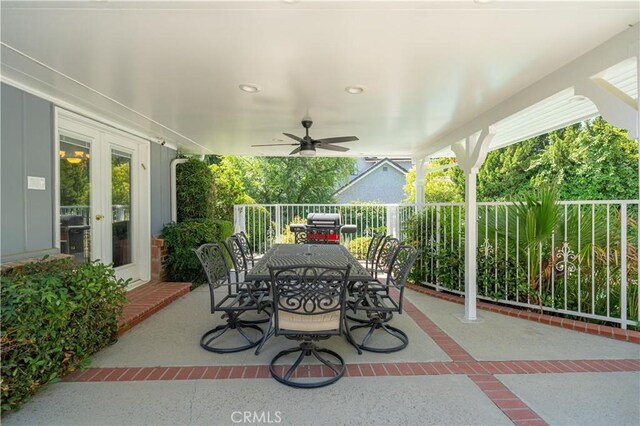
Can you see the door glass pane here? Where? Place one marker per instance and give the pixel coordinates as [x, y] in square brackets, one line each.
[75, 198]
[121, 207]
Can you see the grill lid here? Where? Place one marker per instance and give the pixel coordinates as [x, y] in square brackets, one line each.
[323, 219]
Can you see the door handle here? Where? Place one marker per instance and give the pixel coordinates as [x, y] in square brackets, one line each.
[99, 217]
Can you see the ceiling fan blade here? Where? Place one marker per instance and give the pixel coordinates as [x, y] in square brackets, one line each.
[277, 144]
[332, 147]
[294, 137]
[295, 151]
[338, 139]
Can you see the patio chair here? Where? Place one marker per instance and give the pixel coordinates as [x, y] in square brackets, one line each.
[309, 305]
[380, 300]
[384, 255]
[245, 245]
[238, 259]
[237, 300]
[260, 290]
[372, 251]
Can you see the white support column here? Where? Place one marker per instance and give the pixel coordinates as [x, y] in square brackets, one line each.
[239, 219]
[471, 155]
[421, 172]
[393, 220]
[470, 245]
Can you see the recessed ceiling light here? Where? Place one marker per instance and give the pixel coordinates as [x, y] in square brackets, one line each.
[578, 98]
[290, 1]
[482, 1]
[354, 90]
[249, 88]
[277, 140]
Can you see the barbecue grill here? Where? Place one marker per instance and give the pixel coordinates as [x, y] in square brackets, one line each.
[321, 228]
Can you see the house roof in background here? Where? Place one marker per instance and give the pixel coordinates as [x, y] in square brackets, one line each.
[381, 163]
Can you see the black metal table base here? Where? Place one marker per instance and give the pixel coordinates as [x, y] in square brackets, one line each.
[306, 349]
[233, 324]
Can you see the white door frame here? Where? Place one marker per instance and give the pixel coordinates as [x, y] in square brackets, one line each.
[103, 137]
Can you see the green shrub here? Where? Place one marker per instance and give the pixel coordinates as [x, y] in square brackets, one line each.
[358, 247]
[54, 316]
[181, 263]
[194, 190]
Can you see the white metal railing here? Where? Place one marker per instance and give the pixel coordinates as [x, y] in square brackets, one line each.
[266, 224]
[119, 212]
[587, 267]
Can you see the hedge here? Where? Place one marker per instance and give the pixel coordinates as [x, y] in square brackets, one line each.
[181, 263]
[194, 190]
[55, 314]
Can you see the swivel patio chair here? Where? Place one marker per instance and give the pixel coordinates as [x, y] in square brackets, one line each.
[386, 250]
[384, 255]
[260, 290]
[246, 247]
[372, 251]
[380, 300]
[238, 259]
[237, 300]
[309, 305]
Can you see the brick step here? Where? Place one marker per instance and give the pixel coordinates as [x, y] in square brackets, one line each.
[147, 300]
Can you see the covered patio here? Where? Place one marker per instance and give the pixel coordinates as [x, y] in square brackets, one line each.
[504, 370]
[418, 79]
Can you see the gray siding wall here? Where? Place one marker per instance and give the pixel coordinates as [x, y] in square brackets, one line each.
[381, 186]
[161, 157]
[26, 149]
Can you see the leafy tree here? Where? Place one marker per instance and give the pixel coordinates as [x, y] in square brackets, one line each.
[592, 160]
[74, 183]
[439, 186]
[585, 161]
[120, 182]
[228, 188]
[291, 180]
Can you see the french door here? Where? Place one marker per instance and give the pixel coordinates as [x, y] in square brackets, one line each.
[103, 196]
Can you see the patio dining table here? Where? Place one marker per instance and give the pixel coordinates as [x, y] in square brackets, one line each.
[330, 255]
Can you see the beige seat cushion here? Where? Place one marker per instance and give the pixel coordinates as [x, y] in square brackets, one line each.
[320, 322]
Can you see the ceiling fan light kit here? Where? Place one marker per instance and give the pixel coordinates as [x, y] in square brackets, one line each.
[308, 151]
[306, 146]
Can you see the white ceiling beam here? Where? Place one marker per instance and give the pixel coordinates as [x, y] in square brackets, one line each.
[609, 53]
[611, 104]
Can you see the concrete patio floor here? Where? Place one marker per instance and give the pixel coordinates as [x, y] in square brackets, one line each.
[503, 370]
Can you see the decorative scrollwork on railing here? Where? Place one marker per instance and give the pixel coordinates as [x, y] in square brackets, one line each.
[486, 247]
[566, 259]
[431, 247]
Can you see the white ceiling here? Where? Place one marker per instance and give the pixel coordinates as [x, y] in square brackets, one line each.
[172, 69]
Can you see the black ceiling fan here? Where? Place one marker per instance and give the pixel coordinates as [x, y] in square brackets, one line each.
[307, 145]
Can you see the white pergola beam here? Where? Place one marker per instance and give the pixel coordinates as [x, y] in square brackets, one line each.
[609, 53]
[612, 104]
